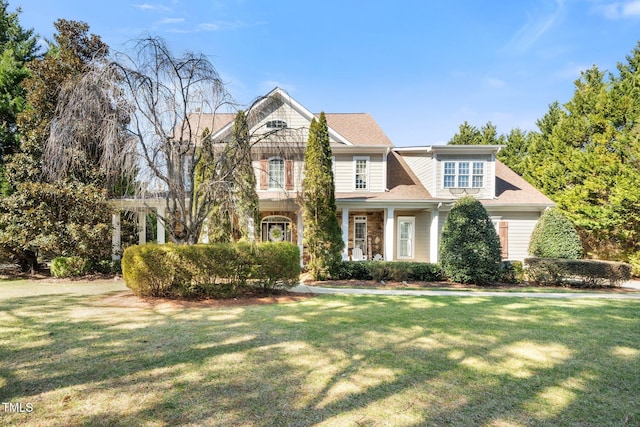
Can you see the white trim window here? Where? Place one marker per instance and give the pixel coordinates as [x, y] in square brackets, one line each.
[406, 237]
[276, 173]
[463, 174]
[360, 233]
[361, 172]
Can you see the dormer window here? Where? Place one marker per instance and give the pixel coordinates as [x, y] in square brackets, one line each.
[276, 124]
[463, 175]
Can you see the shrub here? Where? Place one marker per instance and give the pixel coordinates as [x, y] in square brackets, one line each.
[554, 236]
[389, 270]
[69, 266]
[470, 246]
[585, 273]
[218, 270]
[107, 266]
[512, 272]
[353, 270]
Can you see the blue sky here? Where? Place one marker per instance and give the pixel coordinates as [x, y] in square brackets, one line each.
[419, 67]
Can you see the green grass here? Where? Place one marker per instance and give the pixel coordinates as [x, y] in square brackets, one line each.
[326, 361]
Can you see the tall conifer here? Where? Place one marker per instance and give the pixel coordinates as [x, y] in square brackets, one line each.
[322, 234]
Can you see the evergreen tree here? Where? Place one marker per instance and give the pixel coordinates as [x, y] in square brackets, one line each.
[17, 47]
[322, 234]
[470, 246]
[555, 237]
[471, 135]
[585, 157]
[246, 202]
[50, 204]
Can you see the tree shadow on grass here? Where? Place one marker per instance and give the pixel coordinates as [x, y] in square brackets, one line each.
[338, 360]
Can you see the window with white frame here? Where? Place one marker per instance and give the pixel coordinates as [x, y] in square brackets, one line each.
[360, 233]
[276, 124]
[463, 174]
[406, 237]
[276, 173]
[361, 166]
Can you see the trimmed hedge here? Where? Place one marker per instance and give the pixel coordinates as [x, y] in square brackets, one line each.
[587, 273]
[221, 270]
[555, 237]
[389, 270]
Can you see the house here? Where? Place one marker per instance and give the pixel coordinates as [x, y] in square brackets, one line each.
[392, 202]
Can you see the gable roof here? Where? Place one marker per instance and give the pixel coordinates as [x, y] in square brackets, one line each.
[512, 189]
[348, 129]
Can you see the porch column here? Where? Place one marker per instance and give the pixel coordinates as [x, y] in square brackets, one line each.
[160, 228]
[300, 235]
[434, 236]
[345, 233]
[115, 237]
[389, 234]
[142, 227]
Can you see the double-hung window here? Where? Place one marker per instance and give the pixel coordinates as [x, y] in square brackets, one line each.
[406, 237]
[360, 233]
[276, 173]
[361, 175]
[463, 175]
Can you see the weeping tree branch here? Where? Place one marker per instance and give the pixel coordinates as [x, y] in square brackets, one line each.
[145, 117]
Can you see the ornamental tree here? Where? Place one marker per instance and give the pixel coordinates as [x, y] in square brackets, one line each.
[555, 237]
[470, 246]
[322, 233]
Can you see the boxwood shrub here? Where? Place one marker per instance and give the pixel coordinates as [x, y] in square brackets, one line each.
[389, 270]
[217, 270]
[580, 272]
[554, 236]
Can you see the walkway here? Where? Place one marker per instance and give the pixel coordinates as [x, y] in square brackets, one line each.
[569, 295]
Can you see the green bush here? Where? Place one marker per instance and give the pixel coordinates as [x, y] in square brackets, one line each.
[69, 266]
[470, 246]
[353, 270]
[554, 236]
[512, 272]
[581, 272]
[389, 270]
[219, 270]
[107, 266]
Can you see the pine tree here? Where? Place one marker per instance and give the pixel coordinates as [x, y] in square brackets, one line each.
[322, 234]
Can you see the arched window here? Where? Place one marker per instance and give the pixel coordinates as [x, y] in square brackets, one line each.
[276, 228]
[276, 173]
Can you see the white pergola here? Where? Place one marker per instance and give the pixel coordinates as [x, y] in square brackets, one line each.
[142, 206]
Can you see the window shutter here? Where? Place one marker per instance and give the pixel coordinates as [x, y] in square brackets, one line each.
[288, 174]
[264, 174]
[503, 232]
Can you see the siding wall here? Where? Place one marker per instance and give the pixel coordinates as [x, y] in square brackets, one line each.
[521, 225]
[345, 172]
[422, 166]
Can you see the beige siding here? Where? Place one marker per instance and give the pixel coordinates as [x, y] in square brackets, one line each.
[421, 241]
[487, 192]
[422, 166]
[423, 222]
[521, 225]
[345, 172]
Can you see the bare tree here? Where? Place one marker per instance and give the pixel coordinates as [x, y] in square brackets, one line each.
[155, 115]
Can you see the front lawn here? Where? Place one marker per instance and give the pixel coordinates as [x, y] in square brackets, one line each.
[80, 358]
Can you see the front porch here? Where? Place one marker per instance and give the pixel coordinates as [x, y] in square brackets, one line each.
[375, 233]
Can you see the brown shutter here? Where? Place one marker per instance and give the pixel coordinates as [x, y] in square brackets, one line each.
[503, 232]
[264, 174]
[288, 174]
